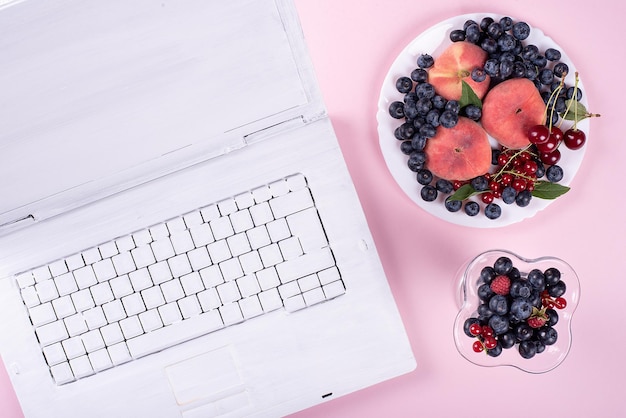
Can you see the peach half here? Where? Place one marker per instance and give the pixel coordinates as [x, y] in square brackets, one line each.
[459, 153]
[510, 109]
[455, 64]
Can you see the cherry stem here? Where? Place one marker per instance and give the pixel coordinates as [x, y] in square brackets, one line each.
[552, 97]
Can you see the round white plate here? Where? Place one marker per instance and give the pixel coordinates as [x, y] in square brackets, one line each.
[433, 41]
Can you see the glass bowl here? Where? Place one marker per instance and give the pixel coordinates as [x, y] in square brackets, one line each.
[469, 282]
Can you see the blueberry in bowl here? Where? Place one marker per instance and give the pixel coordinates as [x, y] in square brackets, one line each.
[515, 311]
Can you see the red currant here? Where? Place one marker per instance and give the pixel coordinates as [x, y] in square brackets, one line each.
[490, 342]
[476, 329]
[487, 331]
[503, 159]
[519, 184]
[507, 178]
[530, 186]
[494, 186]
[550, 158]
[478, 346]
[487, 197]
[456, 184]
[530, 167]
[560, 303]
[538, 134]
[574, 139]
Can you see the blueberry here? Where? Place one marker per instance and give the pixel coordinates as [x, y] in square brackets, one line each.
[407, 130]
[552, 54]
[495, 30]
[514, 274]
[570, 93]
[428, 193]
[492, 67]
[478, 75]
[520, 288]
[406, 147]
[527, 349]
[414, 165]
[419, 75]
[468, 23]
[453, 205]
[493, 211]
[489, 45]
[508, 195]
[495, 153]
[554, 173]
[506, 69]
[495, 351]
[453, 106]
[506, 23]
[546, 76]
[547, 335]
[553, 317]
[472, 33]
[410, 111]
[444, 186]
[540, 346]
[506, 42]
[560, 69]
[424, 176]
[425, 61]
[536, 279]
[503, 265]
[396, 110]
[410, 97]
[499, 324]
[557, 289]
[523, 198]
[473, 112]
[523, 331]
[521, 30]
[432, 117]
[423, 105]
[552, 275]
[448, 119]
[535, 299]
[499, 304]
[519, 70]
[428, 130]
[541, 169]
[425, 90]
[487, 274]
[485, 22]
[472, 208]
[521, 309]
[467, 324]
[530, 52]
[439, 102]
[457, 35]
[507, 340]
[480, 183]
[484, 292]
[484, 313]
[404, 84]
[540, 61]
[418, 142]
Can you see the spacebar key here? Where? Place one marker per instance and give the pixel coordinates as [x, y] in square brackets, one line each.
[177, 333]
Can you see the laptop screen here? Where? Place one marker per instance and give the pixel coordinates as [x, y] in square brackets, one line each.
[104, 95]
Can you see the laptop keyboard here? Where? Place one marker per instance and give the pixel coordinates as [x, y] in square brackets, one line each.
[223, 264]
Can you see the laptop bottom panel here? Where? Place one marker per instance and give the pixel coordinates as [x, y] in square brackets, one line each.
[280, 355]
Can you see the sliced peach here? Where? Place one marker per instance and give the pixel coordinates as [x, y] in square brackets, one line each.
[510, 109]
[455, 64]
[459, 153]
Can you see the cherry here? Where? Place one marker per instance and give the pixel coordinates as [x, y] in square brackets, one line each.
[550, 158]
[557, 134]
[550, 145]
[478, 346]
[574, 139]
[538, 134]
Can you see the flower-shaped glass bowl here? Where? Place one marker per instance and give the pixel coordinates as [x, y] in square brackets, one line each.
[469, 280]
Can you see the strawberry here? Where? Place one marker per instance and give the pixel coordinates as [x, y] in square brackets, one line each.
[538, 318]
[501, 285]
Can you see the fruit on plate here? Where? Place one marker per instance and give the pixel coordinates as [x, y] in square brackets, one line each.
[510, 109]
[454, 65]
[459, 153]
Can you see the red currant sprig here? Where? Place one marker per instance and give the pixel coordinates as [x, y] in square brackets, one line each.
[550, 302]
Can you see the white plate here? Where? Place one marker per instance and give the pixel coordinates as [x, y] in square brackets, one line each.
[433, 41]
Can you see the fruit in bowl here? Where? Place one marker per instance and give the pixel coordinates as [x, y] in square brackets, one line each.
[516, 311]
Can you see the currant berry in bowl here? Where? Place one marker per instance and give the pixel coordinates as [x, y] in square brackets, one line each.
[516, 311]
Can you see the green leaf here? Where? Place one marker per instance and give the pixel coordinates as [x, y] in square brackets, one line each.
[577, 111]
[548, 190]
[463, 192]
[468, 96]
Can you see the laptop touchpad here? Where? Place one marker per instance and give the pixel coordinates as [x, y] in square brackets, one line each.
[209, 376]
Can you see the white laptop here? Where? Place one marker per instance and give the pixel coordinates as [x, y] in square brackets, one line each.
[179, 235]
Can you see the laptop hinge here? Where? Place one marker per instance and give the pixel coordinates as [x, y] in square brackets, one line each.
[17, 223]
[286, 125]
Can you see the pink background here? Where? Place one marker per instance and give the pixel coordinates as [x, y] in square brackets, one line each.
[352, 44]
